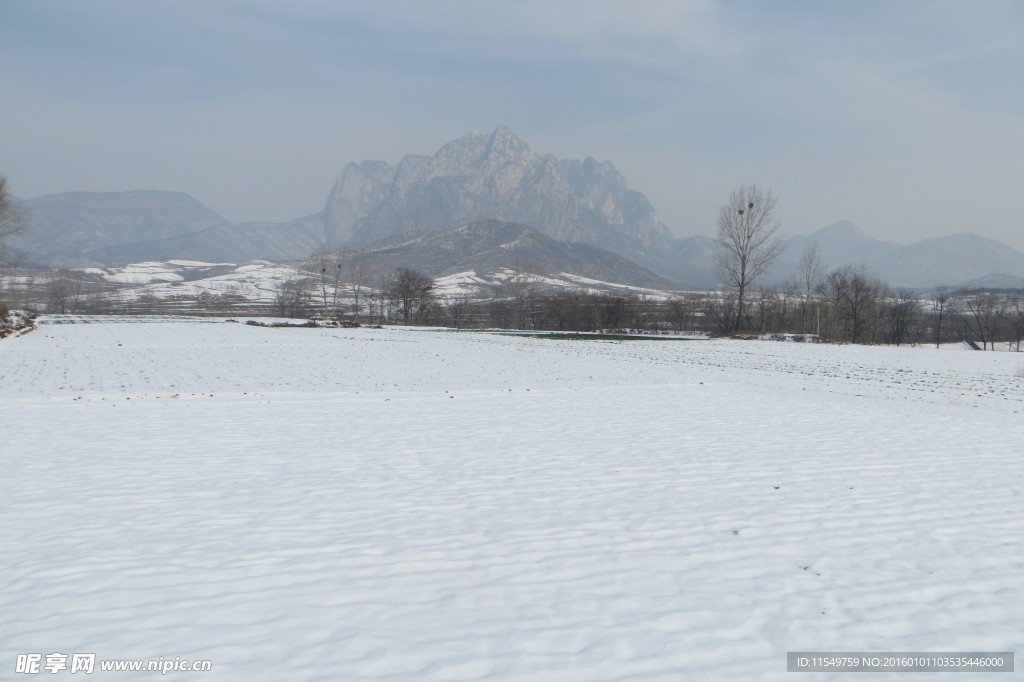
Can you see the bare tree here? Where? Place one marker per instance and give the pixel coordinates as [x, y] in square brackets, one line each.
[561, 310]
[11, 225]
[984, 313]
[808, 276]
[1016, 313]
[292, 297]
[764, 303]
[903, 312]
[747, 241]
[854, 297]
[521, 288]
[411, 291]
[719, 313]
[681, 312]
[943, 304]
[65, 292]
[329, 266]
[788, 293]
[458, 311]
[359, 274]
[377, 308]
[641, 312]
[59, 294]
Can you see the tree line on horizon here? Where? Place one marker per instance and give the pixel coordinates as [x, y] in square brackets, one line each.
[844, 304]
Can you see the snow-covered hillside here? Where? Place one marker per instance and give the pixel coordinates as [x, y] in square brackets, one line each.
[409, 504]
[255, 281]
[258, 281]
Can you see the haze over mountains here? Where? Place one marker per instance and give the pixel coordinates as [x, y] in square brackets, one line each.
[583, 211]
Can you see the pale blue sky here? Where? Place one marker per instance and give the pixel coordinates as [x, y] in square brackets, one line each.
[906, 118]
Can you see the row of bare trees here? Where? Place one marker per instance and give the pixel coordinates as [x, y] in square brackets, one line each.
[61, 291]
[844, 305]
[403, 296]
[11, 226]
[850, 306]
[847, 303]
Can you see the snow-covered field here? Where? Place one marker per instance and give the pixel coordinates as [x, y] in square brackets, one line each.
[398, 504]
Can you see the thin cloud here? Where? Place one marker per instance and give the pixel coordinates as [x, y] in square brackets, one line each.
[873, 111]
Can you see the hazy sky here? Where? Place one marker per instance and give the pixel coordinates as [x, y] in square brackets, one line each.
[906, 118]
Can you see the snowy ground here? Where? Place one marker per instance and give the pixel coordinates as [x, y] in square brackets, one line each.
[308, 504]
[258, 281]
[472, 283]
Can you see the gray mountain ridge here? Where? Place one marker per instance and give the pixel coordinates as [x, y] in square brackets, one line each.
[492, 246]
[480, 176]
[75, 224]
[954, 260]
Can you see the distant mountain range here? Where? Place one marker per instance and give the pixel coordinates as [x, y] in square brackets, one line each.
[584, 208]
[954, 260]
[94, 229]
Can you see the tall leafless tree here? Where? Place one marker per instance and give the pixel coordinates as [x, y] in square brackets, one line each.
[359, 274]
[943, 303]
[377, 299]
[748, 241]
[11, 224]
[329, 266]
[1015, 309]
[809, 270]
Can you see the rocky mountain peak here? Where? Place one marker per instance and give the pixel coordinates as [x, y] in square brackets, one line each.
[481, 153]
[459, 155]
[495, 176]
[504, 144]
